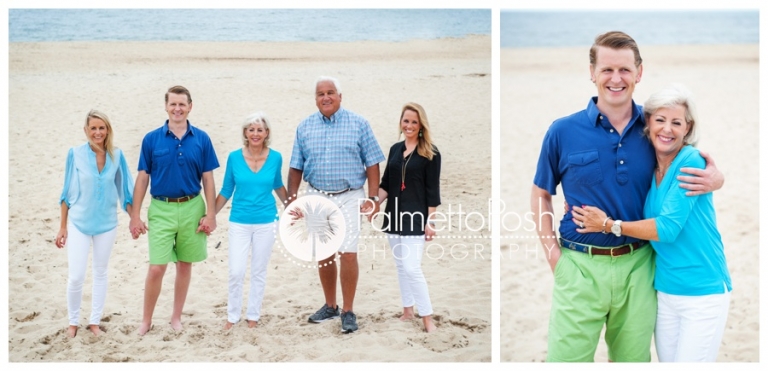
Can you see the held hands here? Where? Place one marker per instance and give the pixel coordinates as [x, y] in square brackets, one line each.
[295, 214]
[701, 181]
[137, 227]
[207, 224]
[588, 218]
[61, 238]
[370, 207]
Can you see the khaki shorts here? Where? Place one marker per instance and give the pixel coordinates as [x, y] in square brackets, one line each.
[597, 290]
[349, 204]
[172, 232]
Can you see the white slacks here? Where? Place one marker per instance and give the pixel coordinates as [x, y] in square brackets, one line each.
[256, 239]
[78, 248]
[690, 328]
[407, 251]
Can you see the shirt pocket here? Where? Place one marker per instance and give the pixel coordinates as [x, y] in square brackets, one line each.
[161, 157]
[585, 167]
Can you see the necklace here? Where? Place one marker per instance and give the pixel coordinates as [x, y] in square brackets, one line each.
[254, 158]
[405, 165]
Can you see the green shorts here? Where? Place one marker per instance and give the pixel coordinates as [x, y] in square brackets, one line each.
[597, 290]
[172, 232]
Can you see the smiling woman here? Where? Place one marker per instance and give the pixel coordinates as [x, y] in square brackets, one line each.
[692, 280]
[253, 173]
[96, 180]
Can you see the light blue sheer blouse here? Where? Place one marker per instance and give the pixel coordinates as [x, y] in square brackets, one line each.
[91, 195]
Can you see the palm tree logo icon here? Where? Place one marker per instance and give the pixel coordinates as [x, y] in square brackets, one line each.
[312, 228]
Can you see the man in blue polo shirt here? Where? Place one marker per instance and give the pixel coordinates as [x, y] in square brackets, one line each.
[336, 152]
[602, 158]
[175, 158]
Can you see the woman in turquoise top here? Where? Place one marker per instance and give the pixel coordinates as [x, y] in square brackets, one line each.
[96, 180]
[692, 280]
[253, 172]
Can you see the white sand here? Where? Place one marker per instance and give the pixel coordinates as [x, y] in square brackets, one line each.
[53, 85]
[540, 85]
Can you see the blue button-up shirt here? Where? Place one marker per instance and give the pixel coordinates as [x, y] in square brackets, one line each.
[93, 196]
[176, 165]
[334, 153]
[597, 167]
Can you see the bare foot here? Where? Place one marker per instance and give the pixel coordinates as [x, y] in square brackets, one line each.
[228, 325]
[407, 314]
[428, 325]
[252, 324]
[144, 328]
[72, 331]
[95, 330]
[176, 325]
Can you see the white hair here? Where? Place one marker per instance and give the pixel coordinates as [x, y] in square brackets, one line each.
[257, 118]
[332, 80]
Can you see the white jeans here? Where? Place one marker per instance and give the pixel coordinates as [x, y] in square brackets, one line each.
[407, 251]
[78, 247]
[690, 328]
[256, 239]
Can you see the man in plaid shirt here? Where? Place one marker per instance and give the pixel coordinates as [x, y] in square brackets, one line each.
[336, 152]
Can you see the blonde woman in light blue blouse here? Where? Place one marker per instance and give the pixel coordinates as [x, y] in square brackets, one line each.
[95, 182]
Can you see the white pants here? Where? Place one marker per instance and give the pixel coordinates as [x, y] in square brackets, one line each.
[690, 328]
[256, 239]
[78, 247]
[407, 251]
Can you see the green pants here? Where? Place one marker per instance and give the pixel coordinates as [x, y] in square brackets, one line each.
[595, 290]
[172, 232]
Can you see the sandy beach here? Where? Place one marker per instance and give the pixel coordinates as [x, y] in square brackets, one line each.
[539, 85]
[53, 85]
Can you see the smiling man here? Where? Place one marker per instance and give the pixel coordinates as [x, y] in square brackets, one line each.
[602, 158]
[176, 157]
[336, 152]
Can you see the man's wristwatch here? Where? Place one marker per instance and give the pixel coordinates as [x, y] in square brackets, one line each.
[616, 228]
[374, 198]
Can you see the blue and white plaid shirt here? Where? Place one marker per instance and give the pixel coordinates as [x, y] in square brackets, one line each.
[333, 154]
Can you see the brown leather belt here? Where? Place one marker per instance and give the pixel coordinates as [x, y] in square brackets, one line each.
[171, 199]
[598, 250]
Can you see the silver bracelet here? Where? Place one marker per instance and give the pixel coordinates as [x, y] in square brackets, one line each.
[604, 224]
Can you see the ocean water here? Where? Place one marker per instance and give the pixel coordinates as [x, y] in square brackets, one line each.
[674, 27]
[27, 25]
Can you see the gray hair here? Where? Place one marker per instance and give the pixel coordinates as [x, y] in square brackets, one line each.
[332, 80]
[257, 118]
[671, 96]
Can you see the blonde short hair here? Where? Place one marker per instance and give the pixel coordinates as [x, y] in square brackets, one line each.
[257, 118]
[674, 95]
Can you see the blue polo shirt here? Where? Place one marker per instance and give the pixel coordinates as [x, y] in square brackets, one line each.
[334, 153]
[176, 165]
[597, 167]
